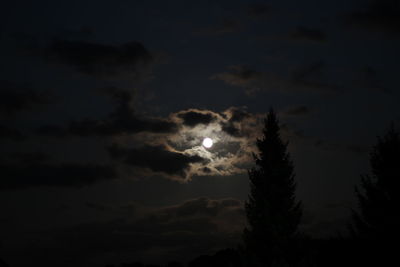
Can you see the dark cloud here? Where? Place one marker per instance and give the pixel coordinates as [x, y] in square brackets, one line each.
[9, 133]
[19, 176]
[369, 79]
[203, 206]
[305, 79]
[379, 15]
[239, 75]
[99, 59]
[295, 111]
[358, 149]
[232, 125]
[242, 76]
[97, 206]
[76, 33]
[206, 170]
[224, 27]
[130, 208]
[172, 151]
[258, 10]
[156, 158]
[152, 235]
[29, 158]
[231, 129]
[238, 114]
[194, 117]
[122, 120]
[121, 125]
[324, 144]
[306, 71]
[308, 34]
[296, 135]
[329, 145]
[15, 98]
[52, 130]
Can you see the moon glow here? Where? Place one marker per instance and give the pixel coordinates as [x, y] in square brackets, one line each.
[207, 142]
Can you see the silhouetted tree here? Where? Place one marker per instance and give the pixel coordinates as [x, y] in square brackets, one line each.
[273, 214]
[379, 199]
[3, 263]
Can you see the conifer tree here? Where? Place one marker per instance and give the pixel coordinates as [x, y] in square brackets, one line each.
[273, 214]
[379, 216]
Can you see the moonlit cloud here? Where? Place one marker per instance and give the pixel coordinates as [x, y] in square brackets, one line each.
[229, 155]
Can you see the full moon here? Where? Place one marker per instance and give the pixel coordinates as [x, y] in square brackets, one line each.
[207, 142]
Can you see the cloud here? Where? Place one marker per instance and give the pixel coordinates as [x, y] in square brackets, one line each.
[157, 159]
[301, 74]
[75, 33]
[154, 234]
[307, 34]
[296, 111]
[237, 114]
[300, 34]
[131, 124]
[97, 206]
[303, 79]
[239, 76]
[20, 176]
[120, 125]
[180, 155]
[97, 59]
[233, 131]
[9, 133]
[224, 27]
[358, 149]
[379, 15]
[15, 98]
[52, 131]
[194, 117]
[122, 120]
[329, 145]
[217, 210]
[236, 118]
[369, 79]
[258, 10]
[171, 146]
[29, 158]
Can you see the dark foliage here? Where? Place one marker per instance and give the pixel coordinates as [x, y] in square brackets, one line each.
[378, 216]
[273, 214]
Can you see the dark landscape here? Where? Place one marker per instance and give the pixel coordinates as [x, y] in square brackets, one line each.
[141, 133]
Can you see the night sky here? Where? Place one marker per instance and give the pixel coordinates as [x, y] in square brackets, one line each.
[104, 106]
